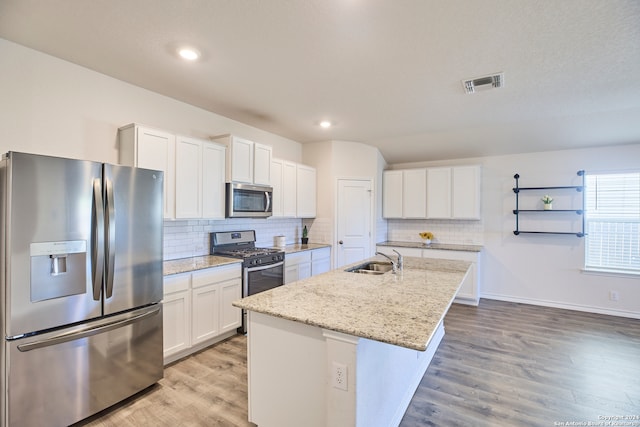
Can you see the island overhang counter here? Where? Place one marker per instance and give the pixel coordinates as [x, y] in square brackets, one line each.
[346, 349]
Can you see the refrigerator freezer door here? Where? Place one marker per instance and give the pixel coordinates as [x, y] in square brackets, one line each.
[49, 237]
[133, 254]
[62, 377]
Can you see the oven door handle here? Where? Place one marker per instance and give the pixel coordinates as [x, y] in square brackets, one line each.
[265, 267]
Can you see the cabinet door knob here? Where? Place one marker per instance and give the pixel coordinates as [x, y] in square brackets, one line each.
[340, 242]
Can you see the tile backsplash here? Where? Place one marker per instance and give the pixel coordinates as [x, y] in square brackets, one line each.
[183, 239]
[445, 231]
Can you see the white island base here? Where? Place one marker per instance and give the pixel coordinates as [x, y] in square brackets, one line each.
[295, 375]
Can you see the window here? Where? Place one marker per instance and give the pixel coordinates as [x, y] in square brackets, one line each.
[612, 222]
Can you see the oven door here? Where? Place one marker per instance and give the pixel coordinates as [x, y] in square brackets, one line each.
[263, 278]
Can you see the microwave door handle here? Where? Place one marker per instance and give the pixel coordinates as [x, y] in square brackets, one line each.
[110, 228]
[266, 194]
[97, 241]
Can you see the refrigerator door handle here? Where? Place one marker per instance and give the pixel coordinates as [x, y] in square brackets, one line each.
[110, 229]
[97, 242]
[88, 331]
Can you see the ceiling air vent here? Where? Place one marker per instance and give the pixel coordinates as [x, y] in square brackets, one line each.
[483, 83]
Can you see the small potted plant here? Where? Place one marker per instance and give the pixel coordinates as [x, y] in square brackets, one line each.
[305, 236]
[426, 237]
[547, 202]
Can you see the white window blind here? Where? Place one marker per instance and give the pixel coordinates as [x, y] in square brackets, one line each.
[612, 222]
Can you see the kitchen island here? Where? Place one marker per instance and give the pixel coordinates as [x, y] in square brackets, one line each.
[346, 349]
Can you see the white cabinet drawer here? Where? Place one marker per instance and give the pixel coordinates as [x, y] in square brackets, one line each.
[176, 283]
[215, 275]
[298, 257]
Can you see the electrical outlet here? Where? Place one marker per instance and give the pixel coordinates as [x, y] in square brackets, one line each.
[339, 376]
[614, 296]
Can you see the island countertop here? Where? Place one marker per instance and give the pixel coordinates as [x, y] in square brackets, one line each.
[403, 309]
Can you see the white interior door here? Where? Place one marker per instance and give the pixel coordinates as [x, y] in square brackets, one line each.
[354, 221]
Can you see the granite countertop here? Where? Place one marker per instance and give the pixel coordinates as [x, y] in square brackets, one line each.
[298, 247]
[403, 309]
[185, 265]
[443, 246]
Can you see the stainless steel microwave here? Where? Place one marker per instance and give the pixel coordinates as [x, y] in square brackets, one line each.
[248, 201]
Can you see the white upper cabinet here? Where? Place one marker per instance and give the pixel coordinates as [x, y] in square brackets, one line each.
[277, 175]
[306, 191]
[289, 189]
[199, 179]
[414, 193]
[213, 191]
[453, 192]
[404, 193]
[149, 148]
[439, 193]
[392, 194]
[466, 192]
[283, 181]
[188, 177]
[262, 155]
[432, 193]
[247, 162]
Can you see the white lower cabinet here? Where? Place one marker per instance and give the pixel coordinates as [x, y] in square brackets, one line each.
[320, 261]
[300, 265]
[297, 266]
[197, 309]
[176, 312]
[469, 292]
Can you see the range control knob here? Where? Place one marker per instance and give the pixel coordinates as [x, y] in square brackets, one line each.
[259, 261]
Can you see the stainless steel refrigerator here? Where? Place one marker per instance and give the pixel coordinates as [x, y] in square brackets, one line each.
[81, 286]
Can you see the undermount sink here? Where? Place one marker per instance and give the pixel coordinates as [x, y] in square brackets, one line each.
[372, 267]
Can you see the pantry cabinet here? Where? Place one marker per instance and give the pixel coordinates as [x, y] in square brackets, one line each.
[145, 147]
[197, 309]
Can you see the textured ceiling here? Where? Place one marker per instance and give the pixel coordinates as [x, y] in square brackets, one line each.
[387, 72]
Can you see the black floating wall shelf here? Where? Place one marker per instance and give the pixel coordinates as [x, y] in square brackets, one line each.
[517, 211]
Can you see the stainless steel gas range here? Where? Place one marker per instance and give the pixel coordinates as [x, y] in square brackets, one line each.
[263, 268]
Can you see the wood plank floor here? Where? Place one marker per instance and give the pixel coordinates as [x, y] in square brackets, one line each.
[499, 364]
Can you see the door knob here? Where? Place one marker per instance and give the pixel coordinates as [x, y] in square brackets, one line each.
[340, 242]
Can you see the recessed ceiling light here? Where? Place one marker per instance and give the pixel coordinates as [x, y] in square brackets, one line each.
[188, 53]
[325, 124]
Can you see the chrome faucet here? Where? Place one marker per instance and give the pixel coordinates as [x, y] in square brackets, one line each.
[394, 264]
[400, 260]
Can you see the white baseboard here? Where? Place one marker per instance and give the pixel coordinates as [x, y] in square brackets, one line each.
[555, 304]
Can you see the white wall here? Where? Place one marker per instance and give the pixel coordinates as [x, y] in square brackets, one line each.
[50, 106]
[545, 269]
[335, 160]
